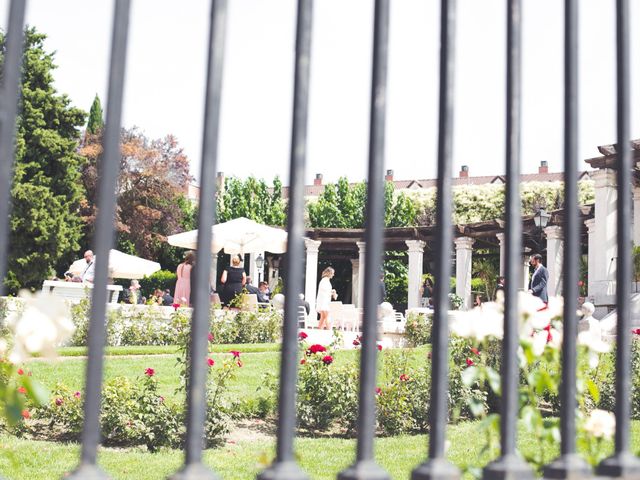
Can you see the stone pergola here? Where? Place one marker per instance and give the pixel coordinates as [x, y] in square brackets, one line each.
[418, 242]
[603, 250]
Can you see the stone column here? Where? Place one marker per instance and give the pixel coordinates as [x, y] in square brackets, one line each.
[416, 255]
[253, 270]
[213, 273]
[604, 268]
[311, 275]
[591, 252]
[636, 215]
[555, 253]
[503, 251]
[362, 248]
[464, 248]
[355, 277]
[526, 263]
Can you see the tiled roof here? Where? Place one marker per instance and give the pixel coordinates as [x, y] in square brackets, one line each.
[316, 190]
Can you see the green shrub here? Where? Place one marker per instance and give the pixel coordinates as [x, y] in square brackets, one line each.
[162, 279]
[417, 330]
[246, 327]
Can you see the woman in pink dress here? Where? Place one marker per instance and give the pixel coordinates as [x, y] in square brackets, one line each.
[183, 284]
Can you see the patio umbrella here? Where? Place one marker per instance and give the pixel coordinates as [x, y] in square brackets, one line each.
[121, 265]
[240, 235]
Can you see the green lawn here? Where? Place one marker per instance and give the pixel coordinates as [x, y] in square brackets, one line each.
[70, 371]
[167, 349]
[322, 459]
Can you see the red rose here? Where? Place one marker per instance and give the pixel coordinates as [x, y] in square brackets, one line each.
[77, 394]
[235, 353]
[210, 362]
[26, 414]
[378, 390]
[379, 347]
[404, 377]
[327, 359]
[636, 331]
[22, 390]
[303, 361]
[548, 329]
[475, 350]
[175, 306]
[317, 348]
[580, 283]
[59, 401]
[356, 342]
[149, 372]
[469, 362]
[302, 335]
[210, 337]
[20, 371]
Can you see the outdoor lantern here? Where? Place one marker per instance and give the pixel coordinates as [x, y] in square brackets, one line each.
[541, 218]
[259, 261]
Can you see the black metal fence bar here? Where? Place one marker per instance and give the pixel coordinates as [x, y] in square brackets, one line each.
[10, 92]
[510, 465]
[365, 466]
[623, 463]
[104, 238]
[285, 467]
[193, 468]
[437, 467]
[569, 464]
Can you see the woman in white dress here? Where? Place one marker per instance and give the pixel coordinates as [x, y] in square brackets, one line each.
[326, 293]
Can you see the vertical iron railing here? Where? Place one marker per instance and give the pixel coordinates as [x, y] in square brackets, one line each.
[284, 467]
[510, 465]
[9, 98]
[623, 463]
[365, 466]
[570, 464]
[193, 468]
[437, 467]
[104, 238]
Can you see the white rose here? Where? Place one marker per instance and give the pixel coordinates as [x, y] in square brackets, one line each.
[601, 424]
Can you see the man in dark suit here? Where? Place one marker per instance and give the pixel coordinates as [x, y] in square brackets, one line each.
[539, 278]
[250, 288]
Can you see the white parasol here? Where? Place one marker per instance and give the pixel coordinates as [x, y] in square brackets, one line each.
[240, 235]
[121, 265]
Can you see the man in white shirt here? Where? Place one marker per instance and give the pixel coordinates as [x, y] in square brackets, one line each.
[89, 271]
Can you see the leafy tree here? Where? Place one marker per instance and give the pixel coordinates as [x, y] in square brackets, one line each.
[253, 199]
[95, 122]
[46, 190]
[342, 205]
[151, 205]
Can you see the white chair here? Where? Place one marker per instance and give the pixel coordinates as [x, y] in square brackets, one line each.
[302, 317]
[335, 313]
[350, 318]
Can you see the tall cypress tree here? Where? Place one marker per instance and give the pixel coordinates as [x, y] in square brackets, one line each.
[96, 122]
[46, 191]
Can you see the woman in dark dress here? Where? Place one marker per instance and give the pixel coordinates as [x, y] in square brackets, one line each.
[233, 280]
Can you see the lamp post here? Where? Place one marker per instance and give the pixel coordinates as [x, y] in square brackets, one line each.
[259, 266]
[540, 219]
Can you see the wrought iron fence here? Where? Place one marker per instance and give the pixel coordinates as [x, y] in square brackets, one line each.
[509, 464]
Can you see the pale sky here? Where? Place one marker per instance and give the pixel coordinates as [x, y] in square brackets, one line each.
[166, 72]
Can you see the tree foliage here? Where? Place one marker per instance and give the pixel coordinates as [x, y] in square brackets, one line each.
[46, 190]
[96, 121]
[342, 205]
[477, 203]
[151, 205]
[253, 199]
